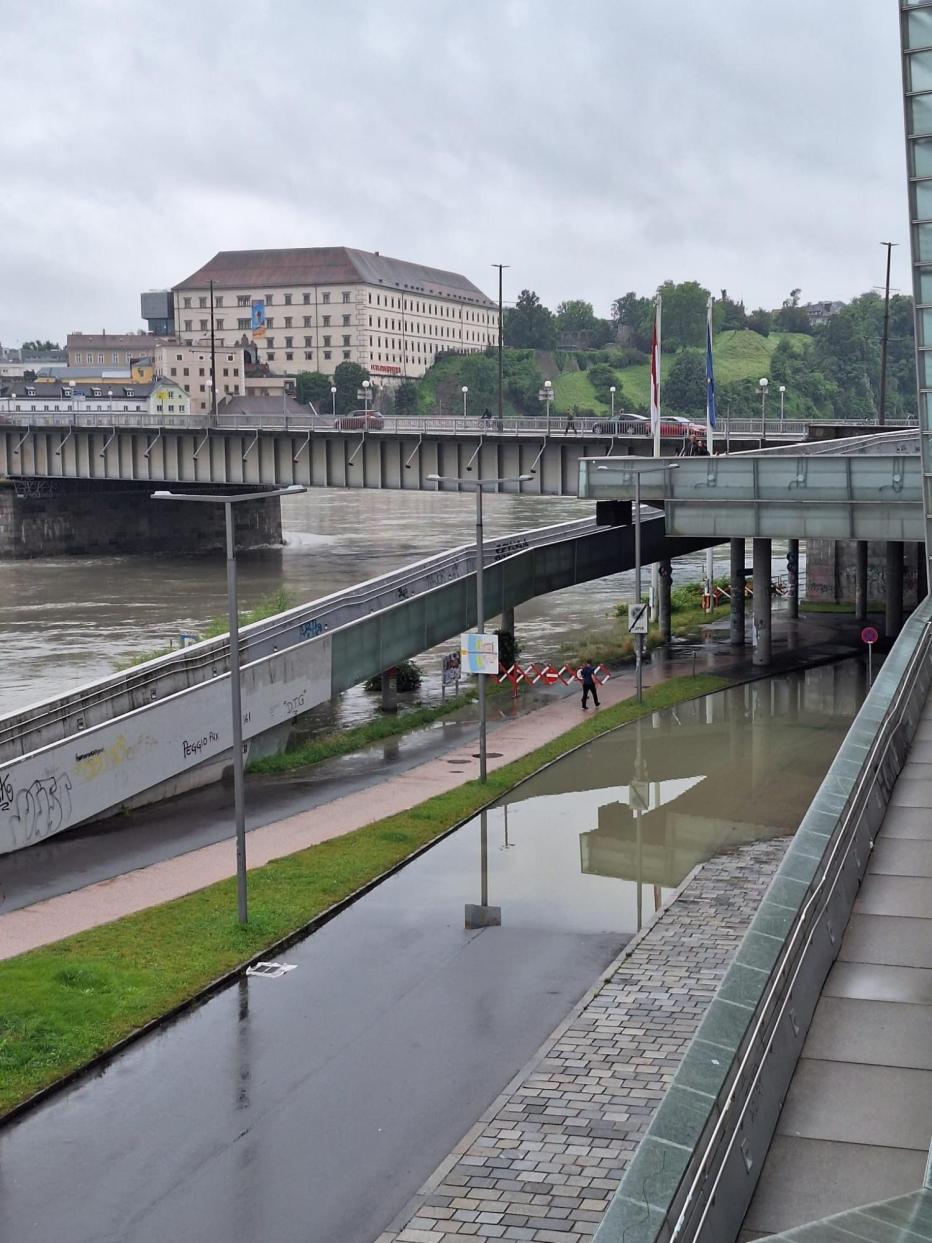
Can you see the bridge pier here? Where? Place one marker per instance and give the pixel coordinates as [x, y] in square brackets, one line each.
[45, 518]
[390, 690]
[664, 602]
[893, 613]
[762, 602]
[736, 587]
[860, 581]
[792, 576]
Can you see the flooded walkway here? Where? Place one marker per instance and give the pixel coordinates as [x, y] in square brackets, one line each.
[314, 1106]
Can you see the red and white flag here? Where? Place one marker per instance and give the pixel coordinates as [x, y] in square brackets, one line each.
[655, 381]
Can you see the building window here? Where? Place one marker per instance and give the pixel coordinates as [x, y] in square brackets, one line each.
[327, 341]
[287, 321]
[346, 321]
[242, 299]
[203, 325]
[226, 371]
[243, 323]
[287, 299]
[218, 301]
[346, 354]
[270, 343]
[307, 354]
[236, 370]
[325, 299]
[271, 356]
[308, 343]
[174, 371]
[100, 359]
[187, 304]
[307, 299]
[327, 354]
[268, 299]
[289, 343]
[346, 340]
[185, 371]
[220, 325]
[325, 321]
[288, 356]
[346, 295]
[202, 302]
[308, 320]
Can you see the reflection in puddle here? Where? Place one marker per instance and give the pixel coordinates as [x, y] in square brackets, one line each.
[644, 805]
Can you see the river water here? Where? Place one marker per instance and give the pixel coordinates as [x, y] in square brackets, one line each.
[66, 621]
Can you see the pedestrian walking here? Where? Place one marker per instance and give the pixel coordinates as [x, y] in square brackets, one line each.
[587, 676]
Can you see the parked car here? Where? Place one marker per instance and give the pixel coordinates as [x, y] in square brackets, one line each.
[622, 425]
[676, 425]
[359, 420]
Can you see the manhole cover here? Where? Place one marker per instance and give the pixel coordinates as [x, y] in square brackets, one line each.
[489, 755]
[457, 761]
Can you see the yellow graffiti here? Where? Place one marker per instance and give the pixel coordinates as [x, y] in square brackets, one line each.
[104, 760]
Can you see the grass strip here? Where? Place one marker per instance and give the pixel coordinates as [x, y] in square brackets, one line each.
[65, 1003]
[345, 741]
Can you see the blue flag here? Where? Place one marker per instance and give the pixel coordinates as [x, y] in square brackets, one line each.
[709, 373]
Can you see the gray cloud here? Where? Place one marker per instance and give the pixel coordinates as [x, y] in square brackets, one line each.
[596, 147]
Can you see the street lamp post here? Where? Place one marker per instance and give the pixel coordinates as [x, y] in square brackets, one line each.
[333, 401]
[546, 395]
[236, 709]
[763, 404]
[782, 395]
[479, 484]
[611, 393]
[365, 397]
[465, 391]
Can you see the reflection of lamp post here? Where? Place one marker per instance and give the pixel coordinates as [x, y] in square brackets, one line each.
[333, 401]
[465, 390]
[763, 403]
[228, 502]
[479, 484]
[483, 915]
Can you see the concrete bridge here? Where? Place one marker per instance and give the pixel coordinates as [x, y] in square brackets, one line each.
[165, 726]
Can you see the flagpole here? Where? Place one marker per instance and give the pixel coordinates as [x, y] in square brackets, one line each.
[655, 418]
[710, 433]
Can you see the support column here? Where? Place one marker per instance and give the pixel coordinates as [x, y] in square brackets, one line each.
[762, 555]
[792, 575]
[860, 581]
[508, 620]
[390, 690]
[893, 619]
[737, 592]
[664, 603]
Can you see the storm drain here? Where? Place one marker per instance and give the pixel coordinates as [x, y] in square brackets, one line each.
[271, 970]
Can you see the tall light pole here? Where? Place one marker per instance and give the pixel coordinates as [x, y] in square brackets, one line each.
[763, 403]
[611, 393]
[501, 346]
[236, 708]
[479, 484]
[333, 401]
[364, 393]
[782, 395]
[465, 391]
[881, 414]
[546, 396]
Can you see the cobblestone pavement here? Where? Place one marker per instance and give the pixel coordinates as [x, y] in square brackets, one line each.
[543, 1163]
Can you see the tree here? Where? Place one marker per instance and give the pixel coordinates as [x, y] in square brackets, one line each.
[522, 379]
[602, 376]
[760, 321]
[529, 325]
[406, 398]
[684, 389]
[575, 317]
[729, 315]
[633, 318]
[684, 314]
[40, 347]
[313, 388]
[791, 317]
[348, 379]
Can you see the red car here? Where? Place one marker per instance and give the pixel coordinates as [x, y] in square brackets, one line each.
[357, 420]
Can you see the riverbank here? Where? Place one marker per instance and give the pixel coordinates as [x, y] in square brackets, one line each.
[67, 1004]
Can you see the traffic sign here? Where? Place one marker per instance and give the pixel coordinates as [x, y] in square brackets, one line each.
[869, 635]
[550, 675]
[638, 618]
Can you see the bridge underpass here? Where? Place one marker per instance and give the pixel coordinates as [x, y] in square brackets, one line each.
[163, 727]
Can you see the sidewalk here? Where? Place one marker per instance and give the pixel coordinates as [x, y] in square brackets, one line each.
[795, 644]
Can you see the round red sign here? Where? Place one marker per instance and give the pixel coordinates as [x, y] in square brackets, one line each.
[869, 635]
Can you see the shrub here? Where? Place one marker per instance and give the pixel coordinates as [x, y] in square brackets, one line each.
[408, 676]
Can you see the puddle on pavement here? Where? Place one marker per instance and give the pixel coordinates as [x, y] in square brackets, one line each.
[598, 840]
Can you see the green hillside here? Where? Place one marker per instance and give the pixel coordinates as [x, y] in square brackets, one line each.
[740, 355]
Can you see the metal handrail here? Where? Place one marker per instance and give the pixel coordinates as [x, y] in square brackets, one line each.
[804, 925]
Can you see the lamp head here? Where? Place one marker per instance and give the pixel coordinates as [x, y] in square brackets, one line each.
[465, 388]
[764, 381]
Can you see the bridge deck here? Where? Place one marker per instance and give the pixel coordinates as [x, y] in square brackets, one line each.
[856, 1124]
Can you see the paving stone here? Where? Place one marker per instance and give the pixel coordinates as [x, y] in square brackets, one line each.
[545, 1167]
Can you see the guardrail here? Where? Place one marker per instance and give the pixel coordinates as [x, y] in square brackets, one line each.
[694, 1174]
[557, 425]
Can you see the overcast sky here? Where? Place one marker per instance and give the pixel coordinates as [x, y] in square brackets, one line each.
[595, 147]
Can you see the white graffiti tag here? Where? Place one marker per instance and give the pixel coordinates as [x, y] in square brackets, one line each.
[41, 809]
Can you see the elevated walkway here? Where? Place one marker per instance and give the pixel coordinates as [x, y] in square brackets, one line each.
[857, 1121]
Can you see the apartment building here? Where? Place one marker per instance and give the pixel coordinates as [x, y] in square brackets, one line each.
[311, 309]
[159, 398]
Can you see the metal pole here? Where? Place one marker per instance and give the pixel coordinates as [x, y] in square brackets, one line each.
[480, 628]
[237, 713]
[886, 337]
[501, 364]
[484, 847]
[639, 638]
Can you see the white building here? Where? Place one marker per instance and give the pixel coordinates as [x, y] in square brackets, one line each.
[311, 309]
[161, 398]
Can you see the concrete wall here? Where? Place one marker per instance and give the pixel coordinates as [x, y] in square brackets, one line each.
[116, 518]
[830, 571]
